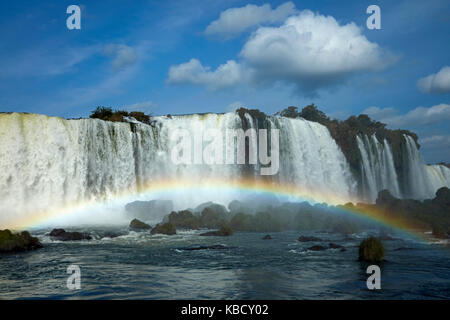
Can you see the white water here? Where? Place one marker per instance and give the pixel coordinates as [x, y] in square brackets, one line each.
[422, 180]
[378, 169]
[48, 163]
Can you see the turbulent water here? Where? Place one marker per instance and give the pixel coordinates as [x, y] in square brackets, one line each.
[137, 265]
[47, 162]
[378, 170]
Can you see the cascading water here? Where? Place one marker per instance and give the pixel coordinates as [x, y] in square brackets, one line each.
[421, 180]
[377, 168]
[48, 163]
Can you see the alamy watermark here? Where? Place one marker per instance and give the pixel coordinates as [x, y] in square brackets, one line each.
[74, 280]
[374, 280]
[211, 147]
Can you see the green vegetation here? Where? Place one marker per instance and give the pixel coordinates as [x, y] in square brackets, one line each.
[108, 114]
[371, 250]
[254, 113]
[432, 214]
[15, 242]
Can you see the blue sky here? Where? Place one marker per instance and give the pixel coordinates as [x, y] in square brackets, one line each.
[211, 56]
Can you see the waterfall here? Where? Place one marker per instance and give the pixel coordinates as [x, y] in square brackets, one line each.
[421, 180]
[47, 162]
[377, 168]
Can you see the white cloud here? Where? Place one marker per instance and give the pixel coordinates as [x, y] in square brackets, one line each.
[144, 106]
[46, 61]
[379, 113]
[309, 50]
[437, 141]
[236, 20]
[438, 83]
[193, 72]
[416, 117]
[124, 56]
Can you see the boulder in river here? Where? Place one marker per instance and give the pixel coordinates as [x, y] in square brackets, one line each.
[63, 235]
[16, 242]
[165, 228]
[139, 225]
[267, 237]
[371, 250]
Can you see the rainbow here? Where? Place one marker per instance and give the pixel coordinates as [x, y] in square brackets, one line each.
[263, 187]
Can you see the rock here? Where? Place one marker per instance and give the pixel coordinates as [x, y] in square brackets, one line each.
[308, 239]
[335, 246]
[166, 228]
[15, 242]
[63, 235]
[184, 219]
[317, 248]
[267, 237]
[385, 198]
[215, 207]
[371, 250]
[139, 225]
[210, 218]
[223, 232]
[442, 197]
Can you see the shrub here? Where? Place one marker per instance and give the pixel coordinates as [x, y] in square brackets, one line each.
[371, 250]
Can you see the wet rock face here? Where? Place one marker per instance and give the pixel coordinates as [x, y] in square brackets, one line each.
[139, 225]
[184, 219]
[17, 242]
[63, 235]
[166, 228]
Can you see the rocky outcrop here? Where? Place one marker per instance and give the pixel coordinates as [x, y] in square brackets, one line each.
[63, 235]
[139, 225]
[371, 250]
[184, 219]
[165, 228]
[17, 242]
